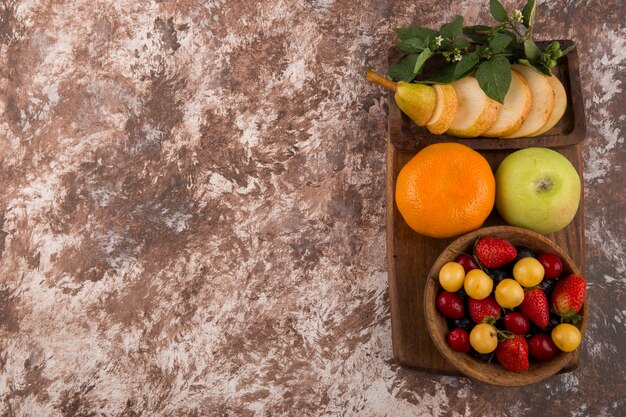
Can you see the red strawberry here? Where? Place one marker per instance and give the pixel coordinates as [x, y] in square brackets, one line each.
[535, 307]
[512, 353]
[494, 253]
[486, 310]
[568, 296]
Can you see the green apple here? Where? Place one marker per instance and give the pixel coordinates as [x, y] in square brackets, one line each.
[537, 188]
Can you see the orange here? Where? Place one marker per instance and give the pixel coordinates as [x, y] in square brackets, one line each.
[445, 190]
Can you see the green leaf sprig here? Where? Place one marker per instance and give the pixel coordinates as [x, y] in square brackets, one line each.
[487, 50]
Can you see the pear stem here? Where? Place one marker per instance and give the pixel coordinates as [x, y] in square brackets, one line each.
[374, 77]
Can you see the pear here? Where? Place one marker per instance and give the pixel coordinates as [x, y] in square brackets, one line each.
[515, 108]
[416, 100]
[542, 96]
[560, 105]
[476, 113]
[445, 109]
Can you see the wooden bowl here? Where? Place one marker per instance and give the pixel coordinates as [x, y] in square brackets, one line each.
[493, 373]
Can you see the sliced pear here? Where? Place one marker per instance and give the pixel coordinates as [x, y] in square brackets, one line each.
[445, 109]
[476, 112]
[560, 105]
[542, 96]
[515, 109]
[416, 100]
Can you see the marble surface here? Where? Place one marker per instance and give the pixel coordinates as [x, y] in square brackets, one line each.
[192, 211]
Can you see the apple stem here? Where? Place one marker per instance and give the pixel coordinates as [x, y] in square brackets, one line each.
[374, 77]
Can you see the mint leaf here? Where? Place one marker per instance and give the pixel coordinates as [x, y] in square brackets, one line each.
[478, 33]
[540, 68]
[403, 69]
[568, 49]
[515, 45]
[494, 77]
[443, 76]
[466, 65]
[448, 74]
[499, 42]
[531, 50]
[415, 32]
[483, 51]
[478, 28]
[553, 46]
[413, 45]
[452, 29]
[528, 13]
[461, 44]
[497, 11]
[421, 60]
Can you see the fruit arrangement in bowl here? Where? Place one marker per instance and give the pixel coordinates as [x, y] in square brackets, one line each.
[479, 81]
[506, 306]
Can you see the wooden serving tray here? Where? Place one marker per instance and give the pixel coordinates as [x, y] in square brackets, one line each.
[571, 129]
[411, 255]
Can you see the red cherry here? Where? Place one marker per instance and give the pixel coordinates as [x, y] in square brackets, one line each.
[542, 347]
[450, 305]
[552, 265]
[458, 339]
[516, 323]
[467, 262]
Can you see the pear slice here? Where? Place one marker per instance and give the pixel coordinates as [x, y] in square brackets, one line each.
[445, 109]
[416, 100]
[515, 109]
[560, 105]
[476, 113]
[542, 96]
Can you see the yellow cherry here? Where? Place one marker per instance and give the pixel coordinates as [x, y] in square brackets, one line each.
[451, 276]
[528, 272]
[484, 338]
[509, 294]
[478, 284]
[566, 337]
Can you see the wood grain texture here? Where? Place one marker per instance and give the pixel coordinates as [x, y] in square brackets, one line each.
[570, 130]
[493, 373]
[411, 255]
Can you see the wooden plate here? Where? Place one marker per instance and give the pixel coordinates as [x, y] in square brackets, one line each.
[408, 137]
[493, 373]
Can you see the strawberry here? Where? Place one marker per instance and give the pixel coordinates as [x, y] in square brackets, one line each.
[493, 252]
[535, 307]
[568, 297]
[512, 353]
[486, 310]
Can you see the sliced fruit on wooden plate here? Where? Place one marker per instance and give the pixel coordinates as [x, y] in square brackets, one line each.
[542, 96]
[445, 109]
[560, 105]
[515, 109]
[476, 112]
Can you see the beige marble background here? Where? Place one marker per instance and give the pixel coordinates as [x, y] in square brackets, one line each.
[192, 211]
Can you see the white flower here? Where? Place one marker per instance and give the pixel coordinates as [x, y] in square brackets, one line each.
[457, 57]
[517, 16]
[438, 41]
